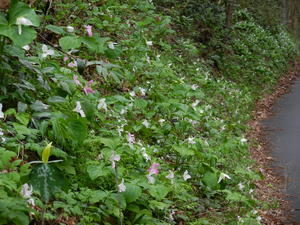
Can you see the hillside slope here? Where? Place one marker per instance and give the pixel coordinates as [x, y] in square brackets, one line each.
[147, 122]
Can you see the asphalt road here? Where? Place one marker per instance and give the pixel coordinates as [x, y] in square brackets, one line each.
[284, 137]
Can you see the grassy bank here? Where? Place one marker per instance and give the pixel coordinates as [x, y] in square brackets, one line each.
[146, 121]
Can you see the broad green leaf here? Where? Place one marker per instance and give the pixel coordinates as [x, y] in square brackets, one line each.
[97, 196]
[2, 19]
[77, 130]
[69, 42]
[46, 153]
[111, 143]
[23, 130]
[132, 193]
[14, 211]
[46, 179]
[55, 29]
[23, 118]
[20, 9]
[11, 31]
[210, 179]
[158, 191]
[57, 99]
[184, 151]
[96, 171]
[39, 106]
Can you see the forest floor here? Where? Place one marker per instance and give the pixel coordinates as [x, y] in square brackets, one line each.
[270, 188]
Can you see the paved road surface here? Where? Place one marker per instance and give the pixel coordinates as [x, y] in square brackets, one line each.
[284, 136]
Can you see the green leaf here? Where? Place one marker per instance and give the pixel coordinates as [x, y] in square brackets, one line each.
[11, 31]
[23, 130]
[132, 193]
[56, 99]
[111, 143]
[23, 118]
[158, 191]
[55, 29]
[77, 130]
[2, 19]
[184, 151]
[20, 9]
[69, 42]
[210, 179]
[96, 171]
[46, 179]
[97, 196]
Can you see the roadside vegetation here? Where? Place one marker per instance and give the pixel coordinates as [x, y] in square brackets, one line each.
[132, 112]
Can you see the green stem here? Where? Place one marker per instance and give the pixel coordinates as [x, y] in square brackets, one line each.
[119, 200]
[2, 41]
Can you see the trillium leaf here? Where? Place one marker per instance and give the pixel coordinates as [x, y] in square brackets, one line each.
[20, 9]
[55, 29]
[96, 171]
[46, 179]
[69, 42]
[2, 19]
[159, 191]
[11, 31]
[132, 193]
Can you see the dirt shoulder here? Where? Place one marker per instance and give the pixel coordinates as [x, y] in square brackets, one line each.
[270, 189]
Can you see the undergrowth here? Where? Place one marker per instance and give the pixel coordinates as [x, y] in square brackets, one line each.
[147, 123]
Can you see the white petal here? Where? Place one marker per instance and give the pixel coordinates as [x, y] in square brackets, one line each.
[122, 186]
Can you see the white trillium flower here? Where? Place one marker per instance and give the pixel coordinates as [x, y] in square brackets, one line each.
[146, 123]
[145, 155]
[143, 91]
[194, 87]
[26, 191]
[241, 186]
[243, 140]
[46, 51]
[132, 94]
[111, 45]
[186, 175]
[162, 120]
[123, 111]
[223, 176]
[191, 140]
[113, 159]
[23, 21]
[1, 113]
[121, 186]
[26, 47]
[102, 104]
[170, 175]
[149, 43]
[151, 179]
[78, 109]
[195, 103]
[70, 29]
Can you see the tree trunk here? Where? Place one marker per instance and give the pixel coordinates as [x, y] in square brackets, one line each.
[229, 12]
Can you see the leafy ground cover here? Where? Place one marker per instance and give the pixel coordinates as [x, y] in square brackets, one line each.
[110, 114]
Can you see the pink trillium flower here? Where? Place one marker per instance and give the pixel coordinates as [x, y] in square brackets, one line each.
[87, 88]
[76, 81]
[88, 29]
[72, 64]
[154, 169]
[131, 138]
[65, 58]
